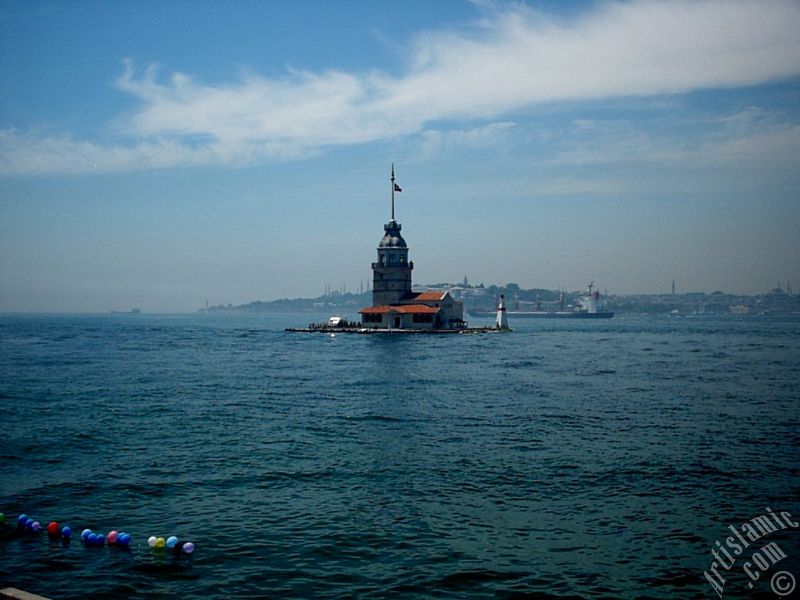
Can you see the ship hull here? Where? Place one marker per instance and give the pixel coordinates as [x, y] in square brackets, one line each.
[536, 314]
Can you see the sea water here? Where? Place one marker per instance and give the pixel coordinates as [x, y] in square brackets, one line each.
[567, 459]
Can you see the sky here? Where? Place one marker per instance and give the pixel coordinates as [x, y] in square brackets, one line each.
[162, 155]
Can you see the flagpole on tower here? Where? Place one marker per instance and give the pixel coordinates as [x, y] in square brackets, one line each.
[392, 191]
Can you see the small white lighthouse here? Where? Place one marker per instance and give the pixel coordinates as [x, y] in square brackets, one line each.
[501, 322]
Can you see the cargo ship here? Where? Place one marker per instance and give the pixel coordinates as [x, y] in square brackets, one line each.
[588, 308]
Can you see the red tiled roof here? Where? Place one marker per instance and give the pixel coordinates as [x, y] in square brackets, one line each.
[375, 310]
[408, 309]
[430, 296]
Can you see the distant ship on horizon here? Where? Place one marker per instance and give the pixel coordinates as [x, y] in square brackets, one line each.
[588, 308]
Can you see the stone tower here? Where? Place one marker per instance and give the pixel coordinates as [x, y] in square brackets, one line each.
[391, 275]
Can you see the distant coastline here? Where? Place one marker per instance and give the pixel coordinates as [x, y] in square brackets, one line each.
[775, 301]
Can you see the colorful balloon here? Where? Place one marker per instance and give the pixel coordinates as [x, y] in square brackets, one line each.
[2, 518]
[114, 537]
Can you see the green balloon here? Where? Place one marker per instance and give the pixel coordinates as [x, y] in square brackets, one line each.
[2, 518]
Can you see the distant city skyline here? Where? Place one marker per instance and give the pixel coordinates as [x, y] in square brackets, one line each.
[163, 155]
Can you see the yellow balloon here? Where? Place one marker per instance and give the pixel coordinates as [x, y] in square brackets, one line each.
[160, 543]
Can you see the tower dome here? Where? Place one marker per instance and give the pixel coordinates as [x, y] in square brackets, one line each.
[392, 237]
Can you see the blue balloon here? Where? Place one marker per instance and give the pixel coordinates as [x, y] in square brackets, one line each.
[66, 532]
[171, 541]
[92, 539]
[29, 523]
[85, 534]
[124, 539]
[21, 520]
[101, 539]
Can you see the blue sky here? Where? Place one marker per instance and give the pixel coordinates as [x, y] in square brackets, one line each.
[159, 155]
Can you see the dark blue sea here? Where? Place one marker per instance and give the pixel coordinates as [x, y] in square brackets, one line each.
[568, 459]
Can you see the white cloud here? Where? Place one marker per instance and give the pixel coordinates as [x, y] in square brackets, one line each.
[492, 134]
[770, 147]
[514, 58]
[620, 49]
[302, 109]
[742, 140]
[35, 153]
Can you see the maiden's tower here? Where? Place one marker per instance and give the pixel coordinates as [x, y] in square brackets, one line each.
[394, 305]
